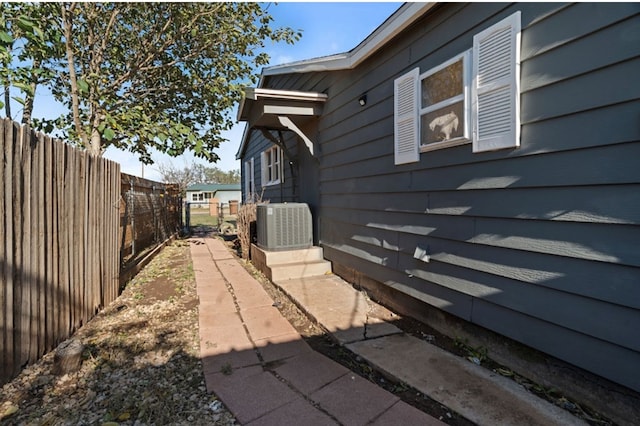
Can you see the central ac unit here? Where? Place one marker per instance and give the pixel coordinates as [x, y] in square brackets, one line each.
[284, 226]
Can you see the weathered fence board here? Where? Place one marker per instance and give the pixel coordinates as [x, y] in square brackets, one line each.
[70, 226]
[59, 251]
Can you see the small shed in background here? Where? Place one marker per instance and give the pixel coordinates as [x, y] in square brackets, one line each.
[201, 194]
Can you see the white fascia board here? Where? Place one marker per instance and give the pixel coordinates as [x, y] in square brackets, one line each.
[243, 141]
[256, 93]
[401, 19]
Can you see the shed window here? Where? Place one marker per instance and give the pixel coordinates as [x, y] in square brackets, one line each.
[272, 166]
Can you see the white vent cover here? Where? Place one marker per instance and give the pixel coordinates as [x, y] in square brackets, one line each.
[284, 226]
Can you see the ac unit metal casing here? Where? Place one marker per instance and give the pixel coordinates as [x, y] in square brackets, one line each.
[284, 226]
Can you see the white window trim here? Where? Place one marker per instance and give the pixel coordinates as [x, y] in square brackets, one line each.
[249, 179]
[407, 112]
[465, 96]
[265, 167]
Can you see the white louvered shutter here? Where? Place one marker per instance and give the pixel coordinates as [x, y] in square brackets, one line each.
[406, 118]
[496, 86]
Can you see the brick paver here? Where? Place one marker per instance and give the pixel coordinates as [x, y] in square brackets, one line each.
[293, 412]
[354, 400]
[255, 361]
[252, 397]
[310, 371]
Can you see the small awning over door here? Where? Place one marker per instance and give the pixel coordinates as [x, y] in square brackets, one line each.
[280, 110]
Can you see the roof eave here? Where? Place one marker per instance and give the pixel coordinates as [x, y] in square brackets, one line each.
[406, 15]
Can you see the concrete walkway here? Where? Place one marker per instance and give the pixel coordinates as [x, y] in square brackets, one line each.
[262, 369]
[367, 329]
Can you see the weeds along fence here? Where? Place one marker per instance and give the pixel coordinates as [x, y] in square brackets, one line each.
[59, 249]
[71, 227]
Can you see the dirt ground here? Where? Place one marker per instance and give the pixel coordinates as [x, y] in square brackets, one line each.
[141, 359]
[140, 362]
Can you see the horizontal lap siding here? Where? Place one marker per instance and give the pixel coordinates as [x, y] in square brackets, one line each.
[537, 243]
[274, 193]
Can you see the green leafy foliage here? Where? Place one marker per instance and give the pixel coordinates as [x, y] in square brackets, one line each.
[138, 75]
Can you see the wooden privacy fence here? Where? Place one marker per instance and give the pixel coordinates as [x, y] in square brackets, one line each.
[59, 248]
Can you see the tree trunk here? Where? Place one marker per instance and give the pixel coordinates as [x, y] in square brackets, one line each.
[28, 100]
[73, 80]
[95, 148]
[7, 99]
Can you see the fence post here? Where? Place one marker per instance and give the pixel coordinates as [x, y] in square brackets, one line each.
[153, 212]
[187, 216]
[133, 220]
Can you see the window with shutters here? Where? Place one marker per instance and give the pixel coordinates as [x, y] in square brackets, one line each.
[271, 166]
[445, 108]
[474, 96]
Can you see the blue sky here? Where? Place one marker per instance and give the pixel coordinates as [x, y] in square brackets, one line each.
[327, 28]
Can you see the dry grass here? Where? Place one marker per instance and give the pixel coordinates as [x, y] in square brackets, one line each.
[141, 361]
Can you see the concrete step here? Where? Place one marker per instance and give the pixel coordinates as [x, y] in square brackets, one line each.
[290, 264]
[297, 270]
[269, 258]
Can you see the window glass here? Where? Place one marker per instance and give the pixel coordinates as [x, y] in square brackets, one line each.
[443, 84]
[443, 124]
[272, 165]
[445, 108]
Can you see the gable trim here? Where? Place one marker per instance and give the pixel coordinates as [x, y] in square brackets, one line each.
[406, 15]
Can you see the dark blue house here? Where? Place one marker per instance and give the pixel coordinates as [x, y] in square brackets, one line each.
[474, 161]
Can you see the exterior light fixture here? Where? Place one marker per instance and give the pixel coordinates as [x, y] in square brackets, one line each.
[363, 100]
